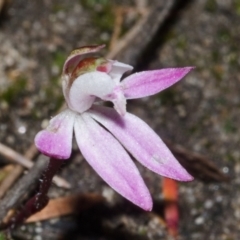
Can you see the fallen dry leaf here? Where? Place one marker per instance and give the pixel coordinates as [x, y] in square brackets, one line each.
[65, 206]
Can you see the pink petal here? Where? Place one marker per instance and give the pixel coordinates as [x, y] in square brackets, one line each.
[147, 83]
[111, 161]
[56, 140]
[142, 142]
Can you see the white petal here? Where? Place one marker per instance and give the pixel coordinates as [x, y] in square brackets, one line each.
[86, 88]
[118, 69]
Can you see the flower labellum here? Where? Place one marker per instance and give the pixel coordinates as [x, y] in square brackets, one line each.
[104, 134]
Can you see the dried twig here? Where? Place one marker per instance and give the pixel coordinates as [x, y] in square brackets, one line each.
[117, 27]
[16, 173]
[13, 156]
[21, 188]
[124, 42]
[197, 165]
[10, 180]
[130, 47]
[141, 4]
[119, 17]
[5, 170]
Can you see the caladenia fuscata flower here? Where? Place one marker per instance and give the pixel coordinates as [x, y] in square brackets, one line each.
[105, 135]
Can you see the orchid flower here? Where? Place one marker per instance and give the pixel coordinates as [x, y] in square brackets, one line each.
[105, 135]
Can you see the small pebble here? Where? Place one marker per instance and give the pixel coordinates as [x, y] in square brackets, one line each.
[199, 220]
[208, 204]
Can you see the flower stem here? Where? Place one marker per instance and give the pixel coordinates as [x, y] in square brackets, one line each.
[38, 201]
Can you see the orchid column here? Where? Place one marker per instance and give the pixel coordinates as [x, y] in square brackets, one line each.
[87, 82]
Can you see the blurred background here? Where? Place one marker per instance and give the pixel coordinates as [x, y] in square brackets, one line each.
[201, 113]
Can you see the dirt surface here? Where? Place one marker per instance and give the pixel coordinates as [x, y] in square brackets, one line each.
[201, 112]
